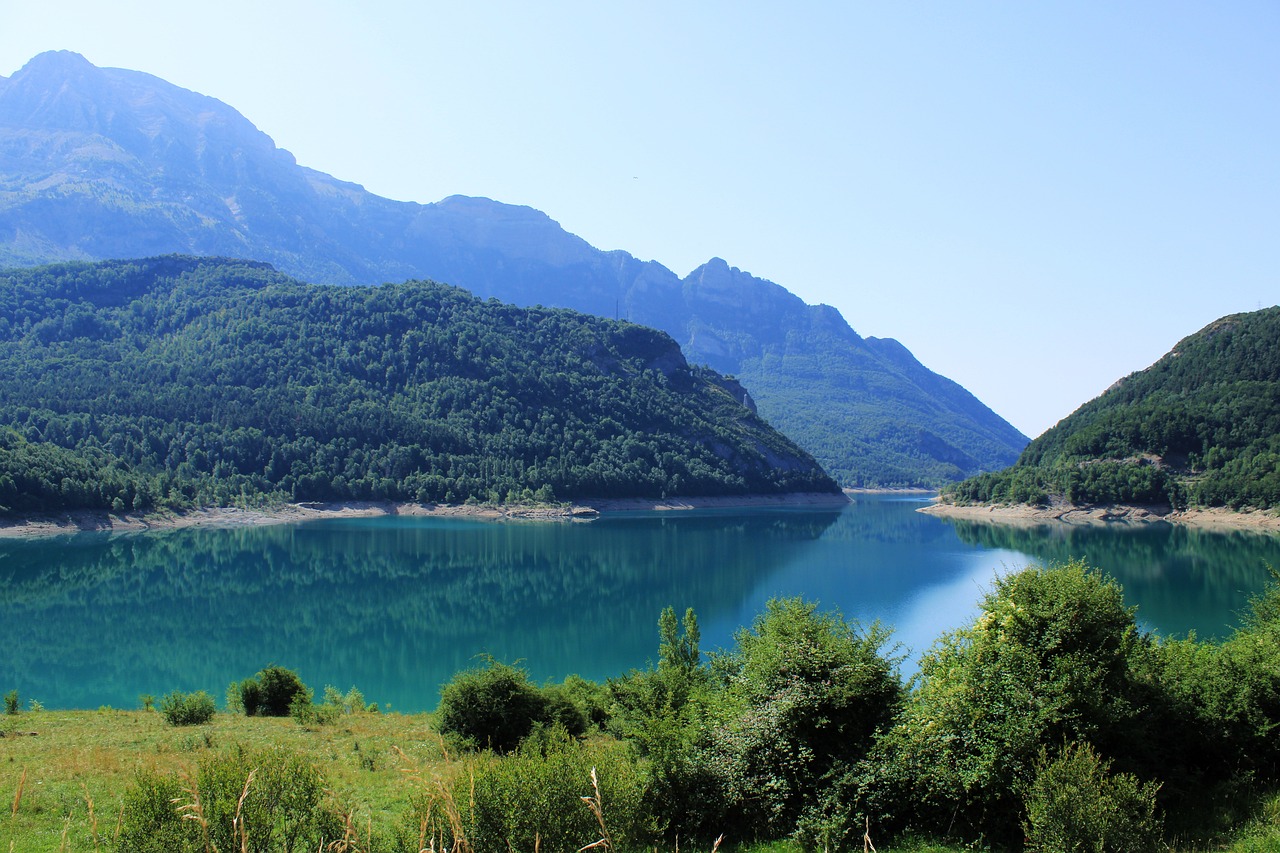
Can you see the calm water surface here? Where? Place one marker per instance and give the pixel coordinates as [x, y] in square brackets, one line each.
[395, 606]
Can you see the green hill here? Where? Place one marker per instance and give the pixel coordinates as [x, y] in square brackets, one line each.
[172, 382]
[1200, 427]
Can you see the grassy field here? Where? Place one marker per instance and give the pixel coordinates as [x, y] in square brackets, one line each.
[63, 774]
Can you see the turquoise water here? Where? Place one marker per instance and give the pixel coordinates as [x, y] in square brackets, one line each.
[395, 606]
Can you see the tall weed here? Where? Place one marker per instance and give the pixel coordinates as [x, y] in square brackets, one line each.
[252, 802]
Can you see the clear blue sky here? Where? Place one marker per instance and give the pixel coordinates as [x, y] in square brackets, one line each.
[1035, 198]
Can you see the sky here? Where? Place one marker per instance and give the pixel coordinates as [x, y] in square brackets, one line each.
[1037, 199]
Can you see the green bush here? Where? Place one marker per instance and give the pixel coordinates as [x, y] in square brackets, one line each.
[1047, 662]
[750, 741]
[305, 712]
[1075, 805]
[494, 706]
[663, 713]
[187, 709]
[1254, 651]
[589, 698]
[562, 707]
[679, 686]
[1213, 718]
[11, 704]
[346, 704]
[807, 693]
[270, 693]
[254, 801]
[149, 820]
[533, 798]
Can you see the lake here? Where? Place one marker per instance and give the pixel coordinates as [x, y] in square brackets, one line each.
[396, 605]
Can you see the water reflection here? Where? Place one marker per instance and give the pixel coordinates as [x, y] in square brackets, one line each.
[1182, 578]
[397, 605]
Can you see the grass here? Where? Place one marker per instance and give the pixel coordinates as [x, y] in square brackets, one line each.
[1263, 835]
[63, 774]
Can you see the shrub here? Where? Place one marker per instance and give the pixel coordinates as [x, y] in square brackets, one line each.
[532, 798]
[305, 712]
[494, 706]
[561, 707]
[243, 696]
[662, 712]
[679, 687]
[1213, 720]
[334, 707]
[350, 703]
[11, 704]
[187, 709]
[589, 698]
[1255, 652]
[807, 693]
[1076, 804]
[254, 801]
[270, 693]
[149, 821]
[1047, 662]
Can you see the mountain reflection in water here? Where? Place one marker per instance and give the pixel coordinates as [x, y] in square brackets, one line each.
[395, 606]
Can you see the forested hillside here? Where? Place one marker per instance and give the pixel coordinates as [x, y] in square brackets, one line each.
[172, 382]
[100, 163]
[1200, 427]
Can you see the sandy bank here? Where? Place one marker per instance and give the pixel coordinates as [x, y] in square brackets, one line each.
[801, 499]
[62, 524]
[1030, 516]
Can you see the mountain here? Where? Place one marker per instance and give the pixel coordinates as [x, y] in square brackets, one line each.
[177, 381]
[1200, 427]
[102, 163]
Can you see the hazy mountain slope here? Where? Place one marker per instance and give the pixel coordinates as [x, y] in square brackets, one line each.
[1200, 427]
[175, 381]
[106, 163]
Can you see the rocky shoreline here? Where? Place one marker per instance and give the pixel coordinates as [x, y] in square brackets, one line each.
[61, 524]
[1029, 516]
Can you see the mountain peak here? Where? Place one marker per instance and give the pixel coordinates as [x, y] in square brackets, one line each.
[57, 73]
[715, 268]
[130, 121]
[56, 61]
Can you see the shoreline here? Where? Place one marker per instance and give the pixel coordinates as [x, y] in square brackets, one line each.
[1022, 515]
[85, 521]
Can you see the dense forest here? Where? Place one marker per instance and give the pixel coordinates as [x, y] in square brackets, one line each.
[1200, 427]
[173, 382]
[873, 415]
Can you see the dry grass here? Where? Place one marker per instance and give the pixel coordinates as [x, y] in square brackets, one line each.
[441, 828]
[596, 803]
